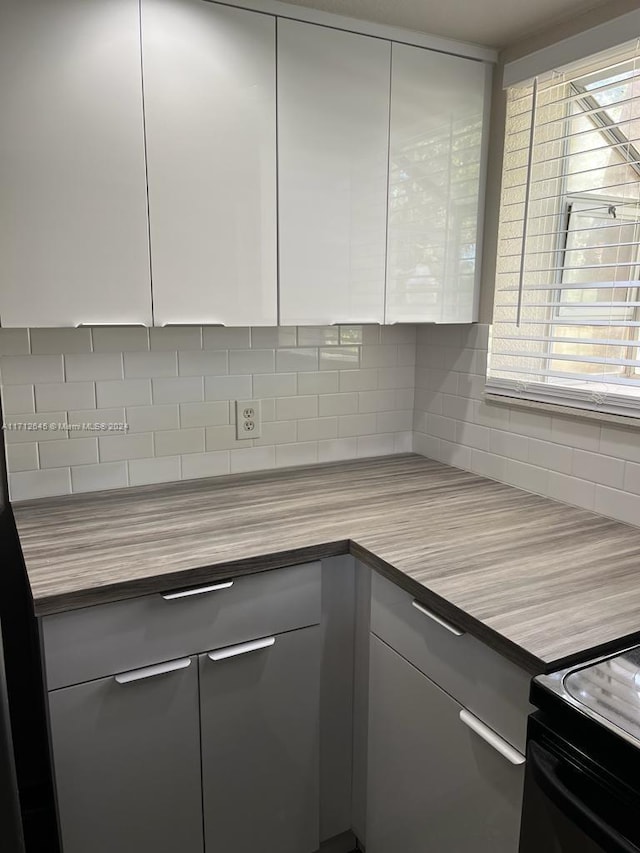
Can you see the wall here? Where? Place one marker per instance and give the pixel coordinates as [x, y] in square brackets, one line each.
[327, 393]
[575, 460]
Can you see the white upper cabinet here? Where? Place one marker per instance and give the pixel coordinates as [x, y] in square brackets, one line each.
[73, 211]
[436, 173]
[210, 110]
[333, 126]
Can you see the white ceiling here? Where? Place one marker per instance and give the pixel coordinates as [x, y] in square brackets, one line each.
[496, 23]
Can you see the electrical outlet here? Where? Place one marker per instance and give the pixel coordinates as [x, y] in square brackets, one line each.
[248, 419]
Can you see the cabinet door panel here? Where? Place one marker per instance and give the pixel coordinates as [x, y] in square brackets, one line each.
[333, 117]
[73, 220]
[433, 783]
[127, 764]
[210, 111]
[260, 731]
[436, 171]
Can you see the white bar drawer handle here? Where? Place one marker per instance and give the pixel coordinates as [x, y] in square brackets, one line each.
[185, 593]
[505, 749]
[438, 619]
[150, 671]
[241, 649]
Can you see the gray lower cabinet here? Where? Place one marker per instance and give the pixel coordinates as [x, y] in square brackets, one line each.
[434, 785]
[260, 744]
[126, 755]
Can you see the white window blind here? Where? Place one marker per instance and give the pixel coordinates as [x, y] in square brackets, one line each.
[566, 324]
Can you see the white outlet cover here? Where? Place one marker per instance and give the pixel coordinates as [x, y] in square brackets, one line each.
[248, 419]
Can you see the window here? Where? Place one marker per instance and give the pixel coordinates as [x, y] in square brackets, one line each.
[567, 310]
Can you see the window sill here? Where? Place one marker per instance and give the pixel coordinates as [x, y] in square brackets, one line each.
[558, 409]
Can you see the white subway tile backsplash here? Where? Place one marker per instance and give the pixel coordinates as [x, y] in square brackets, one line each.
[152, 418]
[571, 490]
[598, 468]
[173, 389]
[204, 414]
[86, 423]
[295, 408]
[617, 504]
[176, 442]
[355, 425]
[360, 380]
[569, 459]
[277, 432]
[120, 339]
[319, 382]
[14, 342]
[228, 388]
[375, 445]
[318, 336]
[295, 360]
[18, 398]
[197, 465]
[301, 453]
[546, 454]
[124, 392]
[64, 395]
[141, 365]
[26, 426]
[63, 453]
[339, 358]
[379, 356]
[275, 385]
[93, 366]
[29, 369]
[316, 429]
[632, 478]
[620, 442]
[26, 485]
[274, 337]
[376, 401]
[143, 472]
[335, 450]
[338, 404]
[184, 389]
[22, 457]
[399, 421]
[252, 459]
[221, 438]
[116, 448]
[251, 361]
[94, 478]
[54, 341]
[214, 337]
[509, 444]
[203, 363]
[394, 377]
[581, 434]
[173, 338]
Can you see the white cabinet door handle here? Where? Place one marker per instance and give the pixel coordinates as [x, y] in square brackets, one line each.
[202, 323]
[438, 619]
[505, 749]
[241, 649]
[185, 593]
[150, 671]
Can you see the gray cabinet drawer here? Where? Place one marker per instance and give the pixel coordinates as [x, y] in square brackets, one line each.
[487, 684]
[434, 784]
[126, 760]
[260, 744]
[109, 638]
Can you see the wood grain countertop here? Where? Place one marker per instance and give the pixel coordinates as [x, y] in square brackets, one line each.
[541, 582]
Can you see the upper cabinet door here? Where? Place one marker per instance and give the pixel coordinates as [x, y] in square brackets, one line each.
[73, 217]
[436, 175]
[210, 110]
[333, 125]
